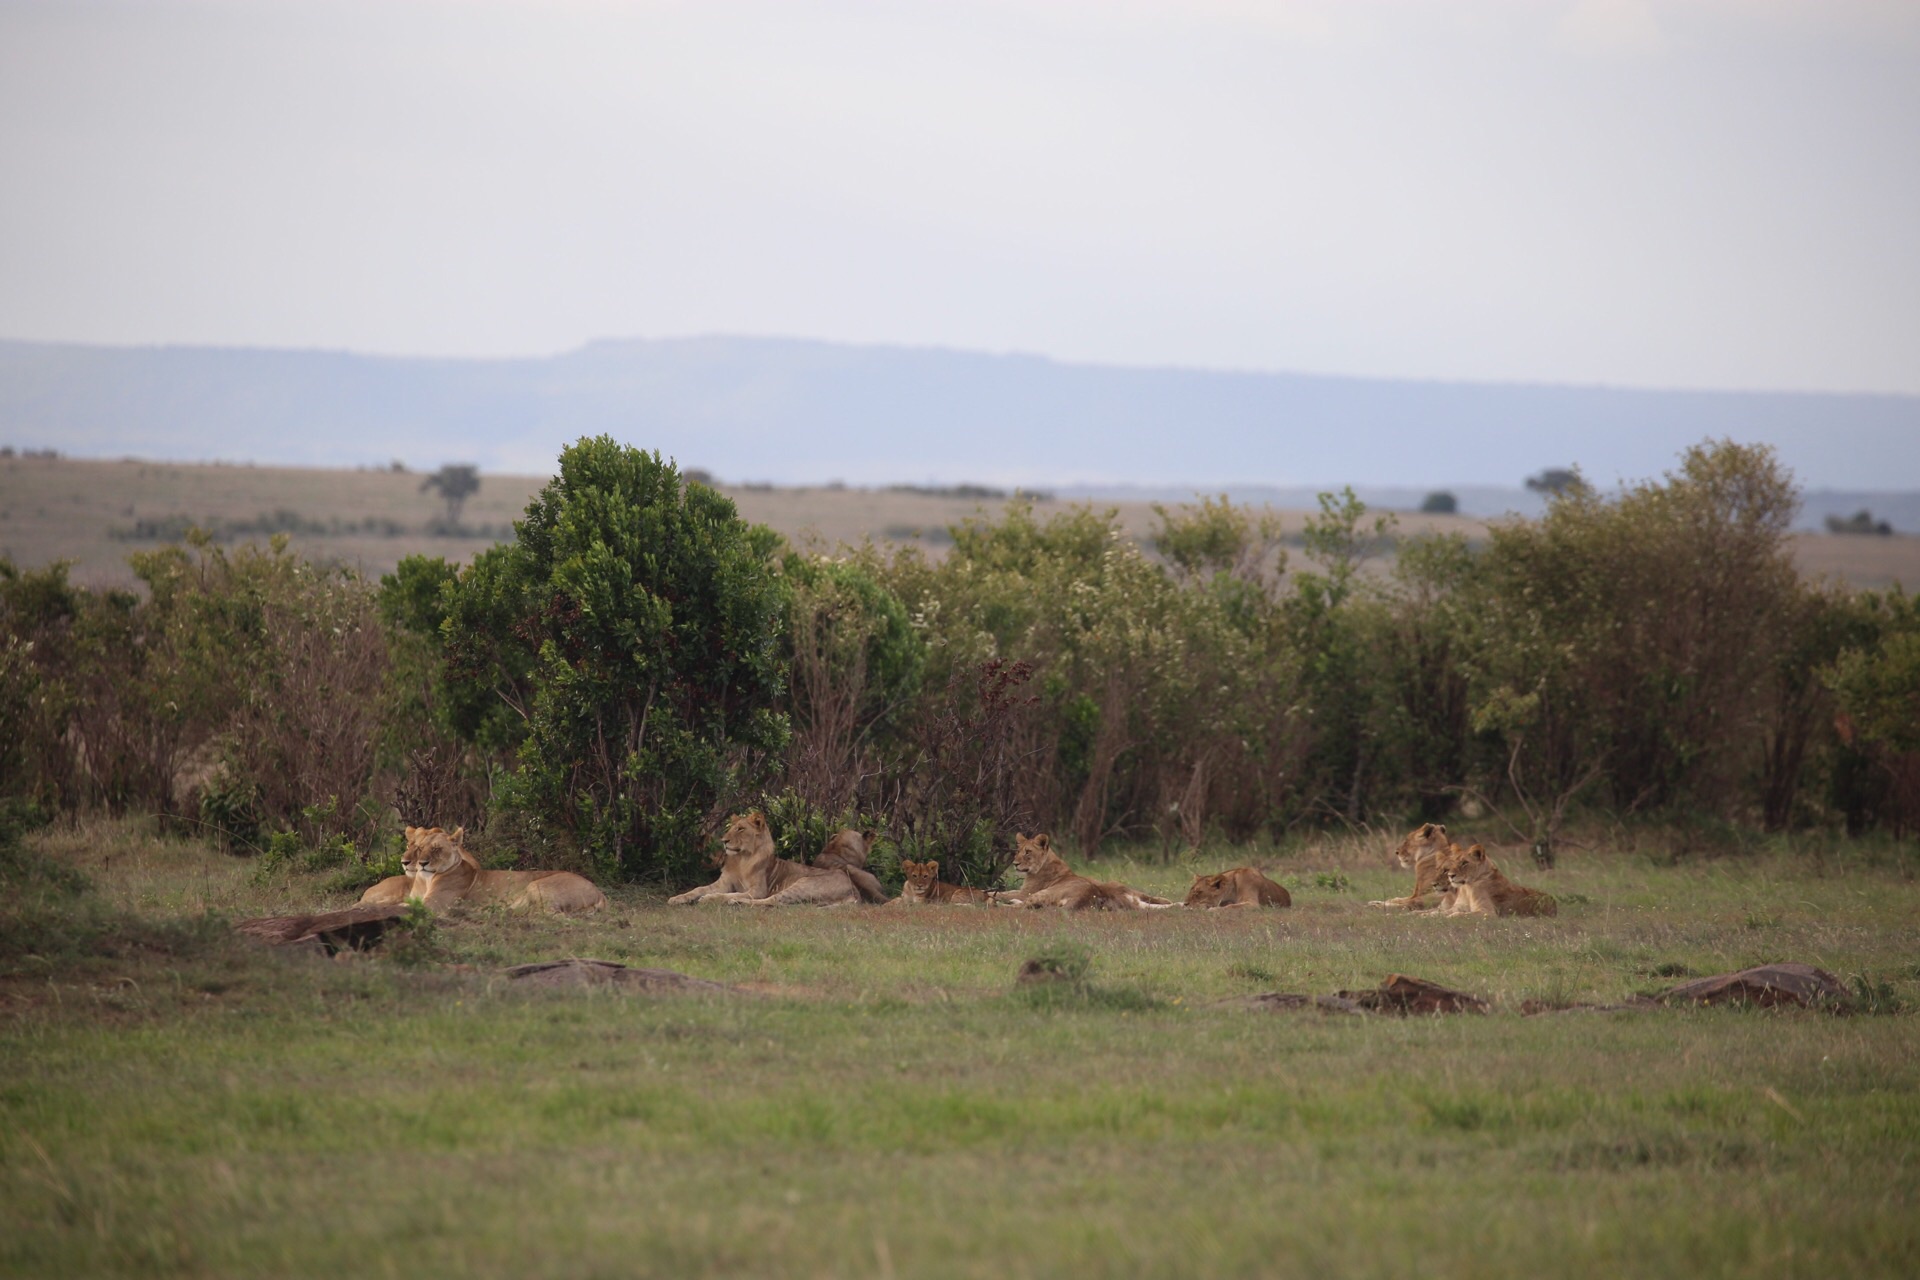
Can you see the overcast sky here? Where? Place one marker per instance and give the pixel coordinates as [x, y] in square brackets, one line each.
[1667, 193]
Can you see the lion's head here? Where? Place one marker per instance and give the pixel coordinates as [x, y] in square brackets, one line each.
[1464, 866]
[921, 877]
[1033, 853]
[748, 837]
[1467, 866]
[1210, 891]
[432, 851]
[1426, 841]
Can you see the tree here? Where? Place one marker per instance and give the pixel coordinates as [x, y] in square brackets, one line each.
[1641, 633]
[633, 628]
[1439, 503]
[1558, 481]
[456, 481]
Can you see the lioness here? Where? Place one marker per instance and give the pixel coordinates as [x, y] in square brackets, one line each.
[1240, 887]
[1049, 882]
[924, 885]
[1484, 891]
[848, 850]
[1421, 851]
[750, 873]
[440, 872]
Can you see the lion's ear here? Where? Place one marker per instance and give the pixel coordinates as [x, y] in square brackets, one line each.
[458, 834]
[1043, 840]
[933, 866]
[412, 832]
[758, 819]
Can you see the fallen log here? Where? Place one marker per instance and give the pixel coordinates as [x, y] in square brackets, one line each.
[351, 929]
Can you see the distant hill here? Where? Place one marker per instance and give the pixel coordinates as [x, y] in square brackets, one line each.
[799, 412]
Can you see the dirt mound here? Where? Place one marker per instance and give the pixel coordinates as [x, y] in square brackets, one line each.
[1766, 986]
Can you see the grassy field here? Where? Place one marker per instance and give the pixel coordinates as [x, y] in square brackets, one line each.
[69, 509]
[881, 1099]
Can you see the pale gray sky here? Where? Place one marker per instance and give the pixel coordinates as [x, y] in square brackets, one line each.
[1671, 193]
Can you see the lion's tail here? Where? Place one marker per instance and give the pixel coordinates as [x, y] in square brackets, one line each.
[864, 881]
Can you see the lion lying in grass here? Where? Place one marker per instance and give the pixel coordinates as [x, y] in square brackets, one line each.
[1049, 882]
[1421, 852]
[1240, 887]
[440, 872]
[751, 873]
[924, 885]
[1484, 891]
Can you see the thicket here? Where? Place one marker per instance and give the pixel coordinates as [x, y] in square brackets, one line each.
[638, 662]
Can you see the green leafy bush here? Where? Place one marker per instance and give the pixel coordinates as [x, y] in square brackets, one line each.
[633, 629]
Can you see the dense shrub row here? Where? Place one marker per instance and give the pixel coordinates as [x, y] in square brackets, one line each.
[638, 662]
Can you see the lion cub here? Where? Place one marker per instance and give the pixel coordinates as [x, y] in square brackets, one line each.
[1421, 853]
[1484, 891]
[924, 885]
[1049, 882]
[440, 872]
[1240, 887]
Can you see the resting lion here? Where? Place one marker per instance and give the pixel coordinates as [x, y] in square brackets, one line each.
[750, 873]
[1421, 852]
[848, 851]
[1240, 887]
[1484, 891]
[440, 872]
[924, 885]
[1049, 882]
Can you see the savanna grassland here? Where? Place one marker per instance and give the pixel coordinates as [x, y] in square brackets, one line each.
[87, 511]
[1643, 703]
[878, 1097]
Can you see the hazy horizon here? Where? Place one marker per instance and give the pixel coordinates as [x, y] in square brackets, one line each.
[1684, 194]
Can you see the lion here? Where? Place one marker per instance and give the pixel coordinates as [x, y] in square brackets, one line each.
[1484, 891]
[751, 873]
[1049, 882]
[440, 872]
[847, 850]
[1421, 852]
[924, 885]
[1240, 887]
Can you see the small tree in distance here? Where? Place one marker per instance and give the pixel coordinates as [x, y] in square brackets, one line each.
[456, 481]
[1440, 503]
[1558, 481]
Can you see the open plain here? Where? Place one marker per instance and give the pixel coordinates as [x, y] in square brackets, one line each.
[877, 1096]
[90, 513]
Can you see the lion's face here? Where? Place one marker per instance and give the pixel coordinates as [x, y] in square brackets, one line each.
[431, 851]
[1422, 843]
[1208, 891]
[1030, 854]
[1463, 866]
[921, 877]
[748, 837]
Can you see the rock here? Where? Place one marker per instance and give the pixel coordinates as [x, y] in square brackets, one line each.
[354, 929]
[574, 972]
[1398, 994]
[1401, 994]
[1768, 986]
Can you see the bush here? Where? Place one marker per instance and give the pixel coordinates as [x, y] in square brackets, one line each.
[633, 629]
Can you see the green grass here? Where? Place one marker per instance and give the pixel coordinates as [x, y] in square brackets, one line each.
[888, 1103]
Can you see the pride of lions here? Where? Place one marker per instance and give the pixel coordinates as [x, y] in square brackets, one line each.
[440, 872]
